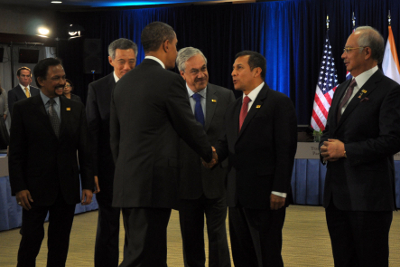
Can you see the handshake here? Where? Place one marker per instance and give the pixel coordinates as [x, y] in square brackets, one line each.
[214, 160]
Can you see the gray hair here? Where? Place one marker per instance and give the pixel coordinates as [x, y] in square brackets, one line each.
[123, 44]
[185, 54]
[372, 38]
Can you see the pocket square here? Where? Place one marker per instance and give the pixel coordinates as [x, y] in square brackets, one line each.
[364, 99]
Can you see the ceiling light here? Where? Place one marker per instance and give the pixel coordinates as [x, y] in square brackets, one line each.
[56, 2]
[43, 31]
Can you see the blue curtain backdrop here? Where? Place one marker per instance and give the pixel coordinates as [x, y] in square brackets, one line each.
[290, 34]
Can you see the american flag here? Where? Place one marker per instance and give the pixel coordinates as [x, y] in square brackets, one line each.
[326, 87]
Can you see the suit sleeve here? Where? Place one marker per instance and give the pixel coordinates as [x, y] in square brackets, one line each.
[184, 122]
[388, 141]
[84, 150]
[93, 119]
[285, 134]
[114, 129]
[17, 152]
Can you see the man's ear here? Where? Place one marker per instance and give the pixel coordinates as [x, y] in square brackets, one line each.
[182, 74]
[257, 72]
[110, 61]
[367, 52]
[166, 46]
[40, 81]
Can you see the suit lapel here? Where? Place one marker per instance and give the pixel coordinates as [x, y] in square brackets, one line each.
[236, 113]
[20, 92]
[211, 105]
[255, 107]
[41, 111]
[368, 87]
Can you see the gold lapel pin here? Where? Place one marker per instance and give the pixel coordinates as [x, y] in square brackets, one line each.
[68, 109]
[214, 100]
[258, 106]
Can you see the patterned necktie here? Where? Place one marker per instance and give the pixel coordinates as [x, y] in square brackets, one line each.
[346, 98]
[54, 120]
[28, 95]
[243, 111]
[198, 111]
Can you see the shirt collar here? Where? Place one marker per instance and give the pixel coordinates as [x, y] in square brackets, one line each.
[203, 92]
[115, 77]
[156, 59]
[363, 77]
[46, 99]
[23, 87]
[253, 94]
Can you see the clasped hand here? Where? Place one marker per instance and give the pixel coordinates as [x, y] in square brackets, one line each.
[332, 150]
[214, 160]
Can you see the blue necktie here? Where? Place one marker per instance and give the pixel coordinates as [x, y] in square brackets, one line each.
[198, 111]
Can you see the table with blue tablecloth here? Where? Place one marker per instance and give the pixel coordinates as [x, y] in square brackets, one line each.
[10, 211]
[307, 185]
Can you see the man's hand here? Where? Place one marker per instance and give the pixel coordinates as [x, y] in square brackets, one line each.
[96, 184]
[5, 116]
[24, 198]
[277, 202]
[214, 160]
[86, 196]
[332, 150]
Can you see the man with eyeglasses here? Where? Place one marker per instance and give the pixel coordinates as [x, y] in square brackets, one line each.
[23, 90]
[122, 56]
[201, 190]
[361, 136]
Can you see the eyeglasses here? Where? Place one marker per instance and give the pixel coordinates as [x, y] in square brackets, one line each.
[67, 85]
[349, 49]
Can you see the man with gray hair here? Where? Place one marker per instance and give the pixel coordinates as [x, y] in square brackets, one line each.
[358, 144]
[201, 190]
[122, 56]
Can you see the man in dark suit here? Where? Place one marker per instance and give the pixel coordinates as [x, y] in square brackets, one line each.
[201, 190]
[23, 90]
[150, 111]
[122, 56]
[260, 141]
[360, 138]
[46, 133]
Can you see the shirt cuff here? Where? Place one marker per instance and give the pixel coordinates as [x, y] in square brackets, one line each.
[279, 194]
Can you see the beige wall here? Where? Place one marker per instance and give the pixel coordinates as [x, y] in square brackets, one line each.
[22, 20]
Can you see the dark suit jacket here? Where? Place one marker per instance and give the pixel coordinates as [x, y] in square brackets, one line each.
[98, 116]
[43, 163]
[17, 94]
[196, 180]
[370, 129]
[262, 153]
[149, 112]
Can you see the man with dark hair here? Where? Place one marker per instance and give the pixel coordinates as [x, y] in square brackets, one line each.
[46, 134]
[361, 136]
[23, 90]
[260, 141]
[202, 191]
[122, 56]
[150, 111]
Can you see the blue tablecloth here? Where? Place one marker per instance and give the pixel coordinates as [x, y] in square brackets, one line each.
[308, 180]
[307, 184]
[11, 212]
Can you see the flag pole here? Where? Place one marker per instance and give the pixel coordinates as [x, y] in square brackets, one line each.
[354, 21]
[389, 18]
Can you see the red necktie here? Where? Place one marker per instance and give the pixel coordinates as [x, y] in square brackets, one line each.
[243, 111]
[346, 98]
